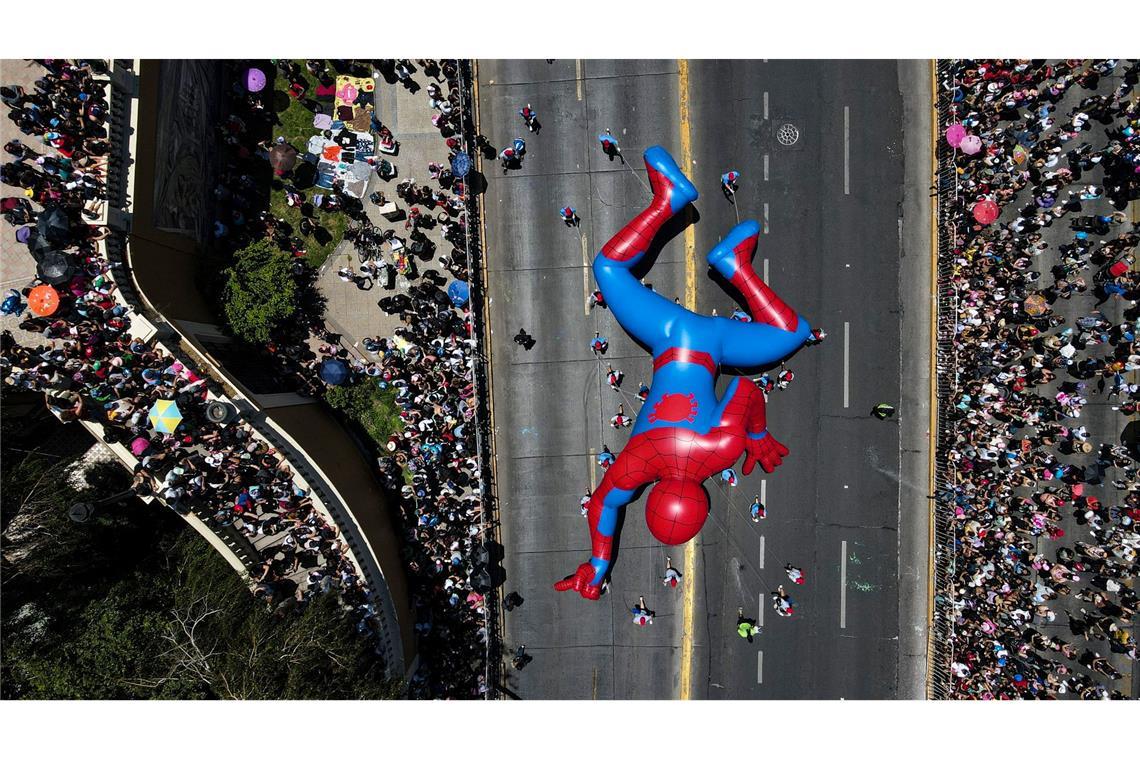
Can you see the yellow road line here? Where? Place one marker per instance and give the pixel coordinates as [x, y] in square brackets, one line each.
[689, 599]
[687, 167]
[593, 470]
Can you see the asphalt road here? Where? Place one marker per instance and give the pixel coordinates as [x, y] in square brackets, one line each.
[831, 205]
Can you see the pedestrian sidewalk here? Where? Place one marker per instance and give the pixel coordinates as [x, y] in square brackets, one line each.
[349, 310]
[17, 267]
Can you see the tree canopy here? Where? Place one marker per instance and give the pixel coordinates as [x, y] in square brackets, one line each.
[260, 294]
[133, 604]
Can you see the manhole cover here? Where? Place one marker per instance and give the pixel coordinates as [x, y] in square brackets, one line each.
[787, 134]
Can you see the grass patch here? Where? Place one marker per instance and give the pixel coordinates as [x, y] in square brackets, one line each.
[372, 407]
[297, 127]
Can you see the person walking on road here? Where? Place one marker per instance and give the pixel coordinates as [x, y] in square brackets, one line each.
[781, 602]
[605, 458]
[746, 628]
[642, 615]
[619, 420]
[597, 299]
[757, 510]
[585, 503]
[524, 339]
[599, 345]
[610, 145]
[569, 216]
[794, 573]
[508, 157]
[529, 117]
[521, 658]
[672, 577]
[728, 184]
[817, 336]
[614, 377]
[883, 411]
[785, 378]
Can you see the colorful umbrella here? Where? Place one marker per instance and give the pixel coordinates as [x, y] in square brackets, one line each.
[954, 135]
[255, 80]
[986, 211]
[43, 300]
[971, 144]
[1035, 305]
[139, 445]
[165, 416]
[1020, 154]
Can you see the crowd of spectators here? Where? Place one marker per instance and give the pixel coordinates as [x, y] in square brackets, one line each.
[430, 468]
[90, 365]
[1033, 340]
[432, 465]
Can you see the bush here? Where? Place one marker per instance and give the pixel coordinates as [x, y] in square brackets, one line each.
[372, 407]
[260, 294]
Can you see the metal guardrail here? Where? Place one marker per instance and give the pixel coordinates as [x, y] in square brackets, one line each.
[940, 678]
[473, 250]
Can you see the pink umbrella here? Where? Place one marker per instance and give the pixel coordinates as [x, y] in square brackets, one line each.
[347, 93]
[971, 144]
[139, 445]
[255, 80]
[954, 135]
[986, 211]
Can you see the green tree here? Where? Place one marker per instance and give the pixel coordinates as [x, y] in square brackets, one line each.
[134, 605]
[260, 294]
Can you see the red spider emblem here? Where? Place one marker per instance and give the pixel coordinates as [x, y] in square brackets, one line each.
[674, 407]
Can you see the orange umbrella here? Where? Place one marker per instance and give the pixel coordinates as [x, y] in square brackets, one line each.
[43, 300]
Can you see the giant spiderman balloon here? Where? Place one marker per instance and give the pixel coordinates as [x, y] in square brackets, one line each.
[684, 433]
